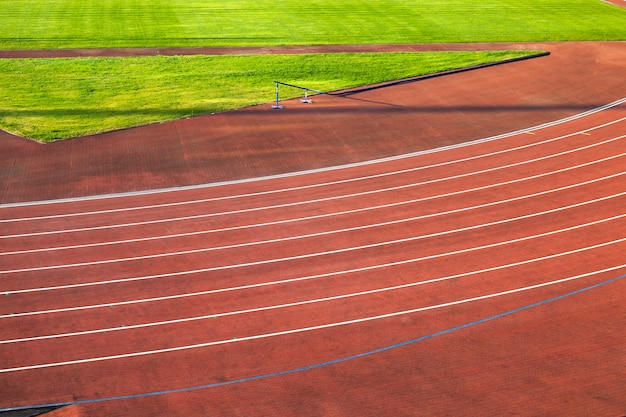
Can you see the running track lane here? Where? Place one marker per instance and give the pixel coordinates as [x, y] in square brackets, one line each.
[256, 141]
[358, 259]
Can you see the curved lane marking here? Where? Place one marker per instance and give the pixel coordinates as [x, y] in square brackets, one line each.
[320, 170]
[333, 325]
[263, 224]
[306, 255]
[318, 185]
[406, 261]
[308, 329]
[165, 254]
[326, 215]
[370, 177]
[312, 301]
[323, 364]
[9, 292]
[494, 185]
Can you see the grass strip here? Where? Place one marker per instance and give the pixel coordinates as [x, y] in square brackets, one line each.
[54, 24]
[52, 99]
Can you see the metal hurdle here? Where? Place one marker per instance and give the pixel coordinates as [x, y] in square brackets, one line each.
[306, 98]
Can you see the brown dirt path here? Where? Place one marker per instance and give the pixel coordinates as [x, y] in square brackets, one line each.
[252, 50]
[259, 141]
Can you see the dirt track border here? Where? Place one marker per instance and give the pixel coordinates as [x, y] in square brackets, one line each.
[256, 50]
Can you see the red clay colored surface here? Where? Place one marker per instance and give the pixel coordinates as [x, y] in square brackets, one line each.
[258, 141]
[167, 291]
[621, 3]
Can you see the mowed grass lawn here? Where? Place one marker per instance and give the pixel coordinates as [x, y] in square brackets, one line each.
[31, 24]
[56, 99]
[50, 99]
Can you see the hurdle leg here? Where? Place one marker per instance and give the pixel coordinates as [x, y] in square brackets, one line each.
[277, 106]
[306, 98]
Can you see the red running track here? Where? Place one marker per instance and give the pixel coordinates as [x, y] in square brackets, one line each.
[257, 141]
[235, 299]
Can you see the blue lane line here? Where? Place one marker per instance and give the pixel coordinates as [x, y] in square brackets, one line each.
[323, 364]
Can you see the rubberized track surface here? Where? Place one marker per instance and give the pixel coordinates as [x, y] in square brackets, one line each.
[482, 279]
[253, 142]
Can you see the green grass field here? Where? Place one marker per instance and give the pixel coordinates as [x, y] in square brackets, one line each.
[55, 99]
[50, 99]
[29, 24]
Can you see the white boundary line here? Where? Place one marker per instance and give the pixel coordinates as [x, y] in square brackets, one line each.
[313, 301]
[325, 215]
[319, 170]
[317, 185]
[304, 256]
[311, 328]
[141, 278]
[361, 269]
[332, 198]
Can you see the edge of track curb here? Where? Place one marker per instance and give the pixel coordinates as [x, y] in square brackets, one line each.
[311, 171]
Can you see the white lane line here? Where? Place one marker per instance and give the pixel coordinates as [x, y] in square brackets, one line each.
[598, 161]
[326, 184]
[313, 301]
[263, 224]
[325, 215]
[308, 255]
[121, 280]
[582, 115]
[367, 268]
[320, 216]
[311, 328]
[333, 198]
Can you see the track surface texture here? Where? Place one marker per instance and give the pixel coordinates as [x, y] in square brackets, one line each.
[257, 141]
[465, 277]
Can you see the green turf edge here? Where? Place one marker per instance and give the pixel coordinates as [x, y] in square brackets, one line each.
[61, 24]
[241, 81]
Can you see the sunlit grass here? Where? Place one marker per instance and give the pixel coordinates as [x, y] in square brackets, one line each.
[50, 99]
[39, 24]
